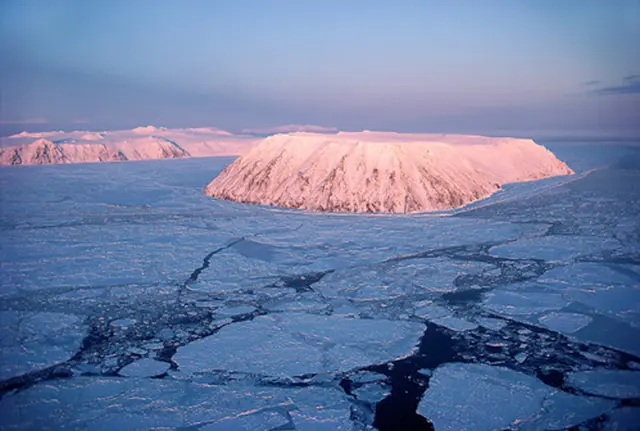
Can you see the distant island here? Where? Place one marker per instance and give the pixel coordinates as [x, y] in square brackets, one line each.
[140, 143]
[382, 172]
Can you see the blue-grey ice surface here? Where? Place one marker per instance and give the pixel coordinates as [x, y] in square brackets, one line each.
[128, 300]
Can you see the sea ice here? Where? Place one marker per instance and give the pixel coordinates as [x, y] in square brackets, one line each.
[310, 302]
[561, 410]
[251, 421]
[566, 323]
[254, 249]
[554, 248]
[455, 323]
[144, 368]
[482, 397]
[105, 403]
[490, 323]
[393, 280]
[465, 396]
[33, 341]
[430, 312]
[609, 383]
[219, 279]
[314, 419]
[293, 344]
[524, 302]
[122, 243]
[623, 419]
[608, 330]
[607, 289]
[587, 275]
[235, 311]
[124, 323]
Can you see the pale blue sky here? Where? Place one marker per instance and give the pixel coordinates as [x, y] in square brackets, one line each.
[449, 65]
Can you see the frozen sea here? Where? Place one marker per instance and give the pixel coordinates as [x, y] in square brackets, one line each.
[130, 301]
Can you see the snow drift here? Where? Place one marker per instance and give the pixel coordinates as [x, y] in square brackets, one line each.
[380, 171]
[141, 143]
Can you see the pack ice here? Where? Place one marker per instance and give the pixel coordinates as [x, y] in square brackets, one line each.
[380, 171]
[130, 301]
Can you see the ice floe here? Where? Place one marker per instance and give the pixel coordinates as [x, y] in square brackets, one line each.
[482, 397]
[567, 323]
[610, 383]
[293, 344]
[33, 341]
[524, 302]
[103, 403]
[554, 248]
[144, 368]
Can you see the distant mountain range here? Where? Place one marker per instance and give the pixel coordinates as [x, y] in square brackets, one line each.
[141, 143]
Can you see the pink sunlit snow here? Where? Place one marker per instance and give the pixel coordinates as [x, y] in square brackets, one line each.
[380, 171]
[140, 143]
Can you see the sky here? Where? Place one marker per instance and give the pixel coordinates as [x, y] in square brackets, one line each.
[522, 67]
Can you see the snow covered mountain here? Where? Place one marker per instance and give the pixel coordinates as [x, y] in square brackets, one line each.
[43, 152]
[289, 128]
[141, 143]
[380, 171]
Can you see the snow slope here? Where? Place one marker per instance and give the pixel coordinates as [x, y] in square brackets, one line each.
[380, 171]
[140, 143]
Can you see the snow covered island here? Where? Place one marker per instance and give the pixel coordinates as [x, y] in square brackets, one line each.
[140, 143]
[380, 171]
